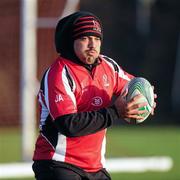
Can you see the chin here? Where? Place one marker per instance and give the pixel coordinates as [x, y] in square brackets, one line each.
[90, 60]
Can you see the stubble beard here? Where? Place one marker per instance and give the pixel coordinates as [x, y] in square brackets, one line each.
[90, 59]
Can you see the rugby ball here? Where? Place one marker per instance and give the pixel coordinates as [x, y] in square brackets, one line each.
[142, 86]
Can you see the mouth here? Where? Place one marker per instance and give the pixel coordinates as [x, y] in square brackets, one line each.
[92, 51]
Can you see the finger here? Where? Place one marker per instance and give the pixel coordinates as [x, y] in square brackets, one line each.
[155, 96]
[136, 117]
[138, 96]
[135, 105]
[140, 105]
[136, 112]
[154, 105]
[134, 100]
[152, 111]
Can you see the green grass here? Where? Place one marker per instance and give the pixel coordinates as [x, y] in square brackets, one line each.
[145, 141]
[121, 142]
[10, 145]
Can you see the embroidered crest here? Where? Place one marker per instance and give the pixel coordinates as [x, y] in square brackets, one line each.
[97, 101]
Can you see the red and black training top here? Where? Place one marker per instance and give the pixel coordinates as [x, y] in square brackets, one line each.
[75, 110]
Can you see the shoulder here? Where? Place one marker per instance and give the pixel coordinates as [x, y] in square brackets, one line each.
[118, 69]
[111, 62]
[59, 67]
[58, 64]
[54, 71]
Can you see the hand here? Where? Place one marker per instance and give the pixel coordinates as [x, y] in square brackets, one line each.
[154, 106]
[131, 109]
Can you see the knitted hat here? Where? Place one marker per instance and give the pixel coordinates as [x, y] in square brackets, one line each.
[87, 26]
[75, 26]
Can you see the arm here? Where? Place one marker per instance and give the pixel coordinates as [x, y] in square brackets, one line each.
[84, 123]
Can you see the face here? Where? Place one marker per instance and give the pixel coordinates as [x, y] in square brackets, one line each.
[87, 48]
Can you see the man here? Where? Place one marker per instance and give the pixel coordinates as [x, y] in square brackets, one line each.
[76, 103]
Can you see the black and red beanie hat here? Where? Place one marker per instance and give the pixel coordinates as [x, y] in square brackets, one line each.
[73, 27]
[87, 26]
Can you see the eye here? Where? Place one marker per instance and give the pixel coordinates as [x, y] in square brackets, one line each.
[83, 38]
[97, 39]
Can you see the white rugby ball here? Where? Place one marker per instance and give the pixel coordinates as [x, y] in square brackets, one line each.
[142, 86]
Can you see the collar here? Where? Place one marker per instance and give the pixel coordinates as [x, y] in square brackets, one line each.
[90, 67]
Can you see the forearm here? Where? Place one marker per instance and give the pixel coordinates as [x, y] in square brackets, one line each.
[84, 123]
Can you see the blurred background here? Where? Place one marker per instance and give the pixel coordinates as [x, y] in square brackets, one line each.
[143, 36]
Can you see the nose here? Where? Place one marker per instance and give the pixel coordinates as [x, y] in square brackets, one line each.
[91, 43]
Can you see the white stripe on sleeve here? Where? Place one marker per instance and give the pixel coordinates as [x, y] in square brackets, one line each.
[67, 86]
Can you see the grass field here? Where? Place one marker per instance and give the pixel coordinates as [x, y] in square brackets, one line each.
[121, 142]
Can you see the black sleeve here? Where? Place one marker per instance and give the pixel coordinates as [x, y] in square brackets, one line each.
[84, 123]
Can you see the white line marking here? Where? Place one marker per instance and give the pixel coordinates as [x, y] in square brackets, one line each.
[136, 164]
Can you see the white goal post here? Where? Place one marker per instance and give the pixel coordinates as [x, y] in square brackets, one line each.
[28, 81]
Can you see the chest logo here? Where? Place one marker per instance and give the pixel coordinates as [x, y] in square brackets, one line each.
[97, 101]
[105, 80]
